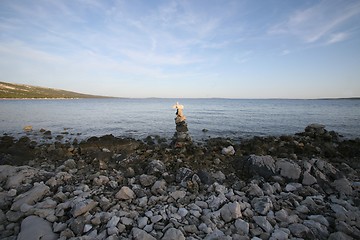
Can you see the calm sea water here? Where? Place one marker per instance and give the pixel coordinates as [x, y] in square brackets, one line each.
[139, 118]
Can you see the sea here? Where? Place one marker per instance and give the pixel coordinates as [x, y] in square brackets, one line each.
[206, 118]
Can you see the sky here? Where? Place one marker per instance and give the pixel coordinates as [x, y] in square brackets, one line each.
[184, 49]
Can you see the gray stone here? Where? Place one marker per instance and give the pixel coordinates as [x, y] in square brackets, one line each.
[83, 206]
[320, 219]
[262, 222]
[178, 194]
[127, 221]
[159, 187]
[36, 228]
[301, 231]
[58, 227]
[242, 226]
[282, 216]
[280, 234]
[288, 169]
[291, 187]
[262, 205]
[142, 222]
[30, 197]
[147, 180]
[261, 165]
[139, 234]
[255, 190]
[339, 236]
[125, 193]
[156, 167]
[308, 179]
[173, 234]
[70, 164]
[319, 230]
[113, 222]
[230, 211]
[183, 212]
[343, 186]
[216, 234]
[77, 225]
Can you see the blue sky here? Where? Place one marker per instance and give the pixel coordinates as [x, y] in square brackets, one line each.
[231, 49]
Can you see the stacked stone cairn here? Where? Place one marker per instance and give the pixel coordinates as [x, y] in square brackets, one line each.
[181, 136]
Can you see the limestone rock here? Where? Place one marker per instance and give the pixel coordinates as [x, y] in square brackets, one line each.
[301, 231]
[288, 169]
[262, 222]
[147, 180]
[36, 228]
[173, 234]
[83, 206]
[155, 167]
[308, 179]
[125, 193]
[262, 205]
[30, 197]
[343, 185]
[230, 211]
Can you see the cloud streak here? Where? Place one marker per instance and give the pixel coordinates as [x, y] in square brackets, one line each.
[319, 22]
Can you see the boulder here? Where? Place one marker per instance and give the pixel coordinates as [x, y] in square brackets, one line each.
[260, 165]
[288, 169]
[36, 228]
[30, 197]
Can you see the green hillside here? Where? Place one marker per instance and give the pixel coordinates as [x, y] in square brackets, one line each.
[11, 90]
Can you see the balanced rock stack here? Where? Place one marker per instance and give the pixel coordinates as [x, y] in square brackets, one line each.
[181, 136]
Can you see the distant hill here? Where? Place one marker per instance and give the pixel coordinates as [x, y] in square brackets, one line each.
[11, 90]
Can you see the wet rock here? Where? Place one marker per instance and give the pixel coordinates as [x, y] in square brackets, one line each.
[260, 165]
[125, 193]
[36, 228]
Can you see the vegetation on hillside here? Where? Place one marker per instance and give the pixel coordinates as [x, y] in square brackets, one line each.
[11, 90]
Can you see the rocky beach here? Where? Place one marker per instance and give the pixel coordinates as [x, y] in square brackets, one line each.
[301, 186]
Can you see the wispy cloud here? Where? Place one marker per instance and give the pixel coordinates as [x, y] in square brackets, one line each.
[318, 22]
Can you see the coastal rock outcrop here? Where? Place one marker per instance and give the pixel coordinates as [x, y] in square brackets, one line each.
[156, 192]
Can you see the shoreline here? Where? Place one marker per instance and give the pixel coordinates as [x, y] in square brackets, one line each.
[304, 185]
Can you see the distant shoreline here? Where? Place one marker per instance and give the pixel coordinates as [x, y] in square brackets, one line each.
[150, 98]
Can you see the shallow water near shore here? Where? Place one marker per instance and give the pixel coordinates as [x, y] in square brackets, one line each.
[138, 118]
